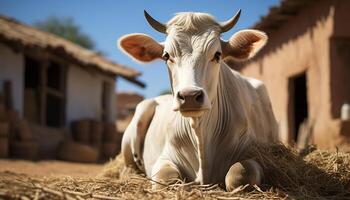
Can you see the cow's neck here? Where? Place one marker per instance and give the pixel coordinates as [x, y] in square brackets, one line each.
[217, 124]
[197, 129]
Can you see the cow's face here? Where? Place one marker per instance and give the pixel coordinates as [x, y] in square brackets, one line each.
[193, 52]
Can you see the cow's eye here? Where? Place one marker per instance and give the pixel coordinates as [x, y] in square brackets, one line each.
[165, 56]
[217, 56]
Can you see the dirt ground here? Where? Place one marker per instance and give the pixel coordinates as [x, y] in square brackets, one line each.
[50, 168]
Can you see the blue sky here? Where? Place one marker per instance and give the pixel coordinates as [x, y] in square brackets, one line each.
[107, 20]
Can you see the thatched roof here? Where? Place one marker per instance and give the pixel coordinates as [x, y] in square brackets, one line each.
[280, 14]
[21, 36]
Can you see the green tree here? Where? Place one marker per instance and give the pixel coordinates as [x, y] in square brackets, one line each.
[66, 28]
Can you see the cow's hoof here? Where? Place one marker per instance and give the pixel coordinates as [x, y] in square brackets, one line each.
[242, 173]
[165, 176]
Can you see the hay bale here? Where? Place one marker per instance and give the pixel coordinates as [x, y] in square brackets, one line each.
[4, 129]
[81, 131]
[24, 149]
[77, 152]
[113, 168]
[96, 132]
[116, 169]
[300, 176]
[319, 175]
[4, 147]
[110, 133]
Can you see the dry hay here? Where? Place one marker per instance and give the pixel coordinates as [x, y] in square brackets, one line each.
[318, 175]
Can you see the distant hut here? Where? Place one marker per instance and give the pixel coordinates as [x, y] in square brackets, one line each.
[306, 68]
[126, 104]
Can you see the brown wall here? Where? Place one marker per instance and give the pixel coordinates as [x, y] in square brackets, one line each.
[303, 44]
[340, 57]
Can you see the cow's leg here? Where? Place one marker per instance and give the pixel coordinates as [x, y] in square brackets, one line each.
[242, 173]
[135, 133]
[165, 173]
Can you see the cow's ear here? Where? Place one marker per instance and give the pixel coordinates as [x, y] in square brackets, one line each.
[141, 47]
[244, 44]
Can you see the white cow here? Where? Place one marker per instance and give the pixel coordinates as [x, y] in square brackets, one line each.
[201, 132]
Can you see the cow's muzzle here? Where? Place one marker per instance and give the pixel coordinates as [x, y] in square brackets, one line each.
[191, 101]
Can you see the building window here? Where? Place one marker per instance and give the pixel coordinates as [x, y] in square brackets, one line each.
[44, 92]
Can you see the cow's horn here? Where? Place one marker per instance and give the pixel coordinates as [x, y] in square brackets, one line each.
[227, 25]
[154, 23]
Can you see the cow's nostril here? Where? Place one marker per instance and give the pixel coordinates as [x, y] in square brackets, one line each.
[179, 96]
[200, 97]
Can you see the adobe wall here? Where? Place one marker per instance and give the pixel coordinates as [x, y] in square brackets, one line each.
[84, 95]
[340, 57]
[300, 45]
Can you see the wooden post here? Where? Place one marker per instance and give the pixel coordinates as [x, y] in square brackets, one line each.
[43, 92]
[64, 93]
[8, 95]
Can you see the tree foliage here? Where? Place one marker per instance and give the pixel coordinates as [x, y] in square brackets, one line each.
[66, 28]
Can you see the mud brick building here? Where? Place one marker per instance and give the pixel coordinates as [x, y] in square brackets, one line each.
[306, 68]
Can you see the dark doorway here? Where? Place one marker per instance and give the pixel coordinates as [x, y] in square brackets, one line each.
[297, 107]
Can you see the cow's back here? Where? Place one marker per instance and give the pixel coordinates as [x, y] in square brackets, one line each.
[261, 116]
[257, 105]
